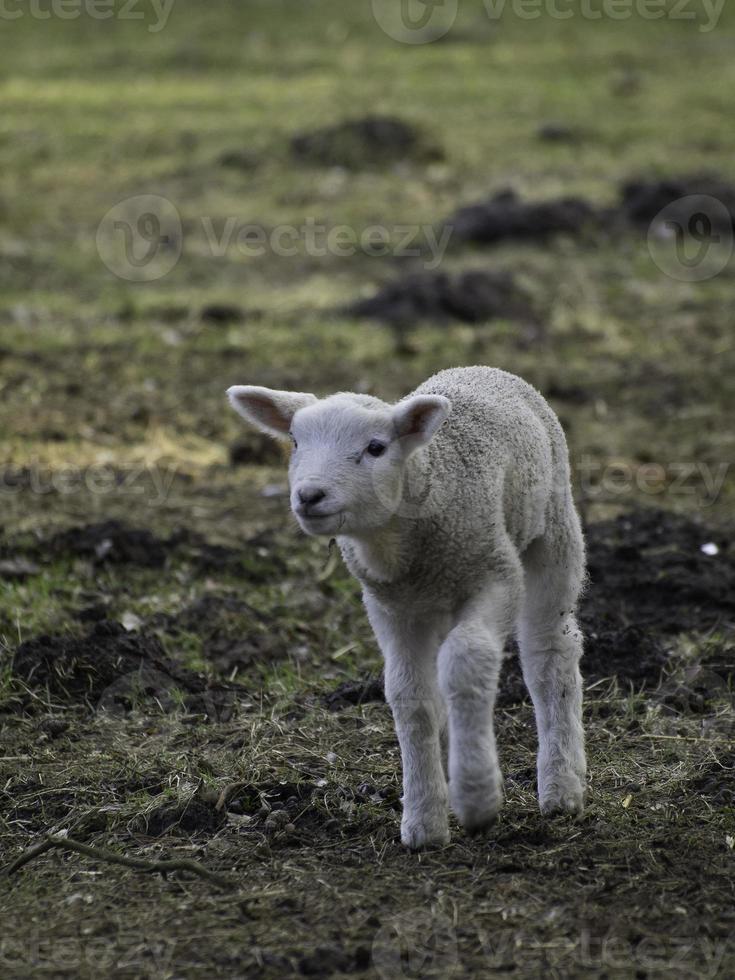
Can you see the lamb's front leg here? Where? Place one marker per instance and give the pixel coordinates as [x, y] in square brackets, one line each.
[469, 666]
[410, 648]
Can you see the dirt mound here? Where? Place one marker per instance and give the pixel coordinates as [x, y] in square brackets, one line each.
[374, 141]
[506, 216]
[234, 635]
[111, 541]
[116, 542]
[256, 560]
[239, 159]
[115, 670]
[555, 132]
[643, 200]
[255, 449]
[222, 313]
[715, 783]
[355, 692]
[649, 581]
[470, 297]
[182, 818]
[648, 567]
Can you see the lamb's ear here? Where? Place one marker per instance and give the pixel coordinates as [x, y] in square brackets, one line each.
[417, 419]
[270, 411]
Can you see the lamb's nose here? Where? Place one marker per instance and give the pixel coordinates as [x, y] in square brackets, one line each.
[311, 495]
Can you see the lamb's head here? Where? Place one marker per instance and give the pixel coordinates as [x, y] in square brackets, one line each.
[350, 452]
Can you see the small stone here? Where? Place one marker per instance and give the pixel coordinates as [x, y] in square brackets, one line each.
[131, 622]
[18, 568]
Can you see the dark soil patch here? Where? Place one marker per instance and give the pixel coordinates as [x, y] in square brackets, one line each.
[700, 686]
[648, 567]
[506, 216]
[553, 132]
[222, 314]
[238, 159]
[262, 800]
[355, 692]
[257, 560]
[183, 818]
[255, 449]
[716, 782]
[111, 541]
[356, 144]
[117, 543]
[116, 670]
[234, 635]
[649, 581]
[642, 200]
[470, 297]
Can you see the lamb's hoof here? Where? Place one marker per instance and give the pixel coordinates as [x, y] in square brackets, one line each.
[563, 795]
[420, 832]
[477, 809]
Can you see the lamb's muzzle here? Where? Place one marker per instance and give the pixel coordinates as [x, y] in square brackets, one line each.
[454, 510]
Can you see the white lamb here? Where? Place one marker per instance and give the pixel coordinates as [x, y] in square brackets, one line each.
[453, 508]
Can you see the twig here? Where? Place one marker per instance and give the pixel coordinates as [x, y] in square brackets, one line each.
[112, 857]
[228, 791]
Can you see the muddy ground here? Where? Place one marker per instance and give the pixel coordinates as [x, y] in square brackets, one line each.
[184, 677]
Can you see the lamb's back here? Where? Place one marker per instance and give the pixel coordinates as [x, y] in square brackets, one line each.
[502, 452]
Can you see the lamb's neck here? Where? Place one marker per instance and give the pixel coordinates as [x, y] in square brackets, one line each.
[385, 554]
[378, 556]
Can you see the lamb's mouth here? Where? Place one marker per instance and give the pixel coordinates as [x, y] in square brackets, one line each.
[314, 521]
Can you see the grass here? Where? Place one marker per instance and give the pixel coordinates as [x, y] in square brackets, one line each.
[111, 407]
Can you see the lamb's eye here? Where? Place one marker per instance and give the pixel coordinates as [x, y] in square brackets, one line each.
[294, 443]
[375, 448]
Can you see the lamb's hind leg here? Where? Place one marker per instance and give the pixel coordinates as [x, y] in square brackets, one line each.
[469, 664]
[550, 646]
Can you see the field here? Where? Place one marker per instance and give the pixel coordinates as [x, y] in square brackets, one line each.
[183, 675]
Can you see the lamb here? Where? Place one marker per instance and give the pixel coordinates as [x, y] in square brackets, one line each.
[453, 508]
